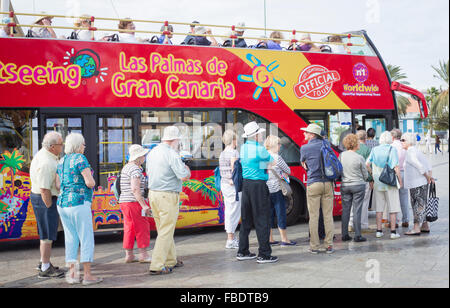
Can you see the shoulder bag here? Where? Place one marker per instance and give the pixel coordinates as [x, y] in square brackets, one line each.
[432, 204]
[286, 189]
[387, 175]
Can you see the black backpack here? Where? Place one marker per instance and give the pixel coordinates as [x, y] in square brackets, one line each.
[73, 36]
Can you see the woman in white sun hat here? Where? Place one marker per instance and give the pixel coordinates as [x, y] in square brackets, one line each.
[43, 32]
[132, 203]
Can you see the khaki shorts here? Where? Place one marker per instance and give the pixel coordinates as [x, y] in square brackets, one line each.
[389, 200]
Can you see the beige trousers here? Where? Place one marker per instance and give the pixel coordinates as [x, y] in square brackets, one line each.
[320, 195]
[165, 210]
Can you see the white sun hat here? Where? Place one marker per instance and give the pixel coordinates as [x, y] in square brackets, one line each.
[136, 151]
[171, 133]
[313, 128]
[251, 129]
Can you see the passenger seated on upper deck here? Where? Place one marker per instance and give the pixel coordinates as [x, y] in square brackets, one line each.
[338, 48]
[5, 31]
[202, 40]
[162, 38]
[43, 32]
[127, 37]
[83, 22]
[190, 39]
[275, 42]
[239, 42]
[306, 44]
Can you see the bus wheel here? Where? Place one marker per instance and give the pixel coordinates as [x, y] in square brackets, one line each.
[295, 204]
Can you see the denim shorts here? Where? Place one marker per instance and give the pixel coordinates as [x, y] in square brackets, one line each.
[278, 206]
[47, 218]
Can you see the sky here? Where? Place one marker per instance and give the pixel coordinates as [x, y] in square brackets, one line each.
[412, 34]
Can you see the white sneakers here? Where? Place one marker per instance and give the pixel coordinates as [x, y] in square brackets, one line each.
[233, 244]
[394, 236]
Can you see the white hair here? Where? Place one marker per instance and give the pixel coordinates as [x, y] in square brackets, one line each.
[73, 143]
[410, 138]
[386, 138]
[50, 139]
[228, 137]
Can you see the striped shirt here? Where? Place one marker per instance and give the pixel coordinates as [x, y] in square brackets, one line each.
[131, 170]
[225, 162]
[279, 168]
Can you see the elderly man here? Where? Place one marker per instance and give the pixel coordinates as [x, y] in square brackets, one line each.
[166, 172]
[43, 198]
[319, 192]
[190, 38]
[255, 203]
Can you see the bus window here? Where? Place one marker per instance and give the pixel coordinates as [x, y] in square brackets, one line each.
[18, 141]
[376, 122]
[201, 132]
[64, 126]
[115, 136]
[365, 50]
[236, 119]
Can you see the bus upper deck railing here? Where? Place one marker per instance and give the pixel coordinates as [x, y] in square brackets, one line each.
[233, 36]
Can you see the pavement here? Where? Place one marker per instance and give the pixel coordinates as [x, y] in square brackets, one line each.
[417, 262]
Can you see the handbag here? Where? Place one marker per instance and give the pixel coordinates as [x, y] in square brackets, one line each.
[432, 204]
[387, 175]
[286, 189]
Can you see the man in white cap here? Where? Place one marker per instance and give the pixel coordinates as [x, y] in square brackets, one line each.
[43, 32]
[166, 172]
[255, 204]
[319, 192]
[202, 40]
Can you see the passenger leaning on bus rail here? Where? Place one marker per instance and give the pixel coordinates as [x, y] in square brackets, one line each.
[5, 30]
[307, 45]
[43, 199]
[125, 36]
[190, 39]
[274, 41]
[202, 40]
[43, 32]
[76, 183]
[166, 173]
[133, 206]
[83, 22]
[162, 39]
[338, 48]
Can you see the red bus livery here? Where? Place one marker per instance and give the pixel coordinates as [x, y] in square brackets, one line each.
[117, 94]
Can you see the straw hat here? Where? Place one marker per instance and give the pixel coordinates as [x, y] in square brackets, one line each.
[239, 26]
[43, 15]
[251, 129]
[313, 128]
[137, 151]
[80, 19]
[171, 133]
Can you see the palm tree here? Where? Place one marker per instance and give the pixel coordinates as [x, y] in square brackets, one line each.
[439, 106]
[397, 75]
[12, 161]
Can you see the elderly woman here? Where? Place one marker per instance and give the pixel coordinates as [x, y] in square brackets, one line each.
[44, 29]
[128, 35]
[84, 22]
[353, 186]
[275, 40]
[232, 206]
[132, 203]
[74, 177]
[385, 196]
[278, 204]
[417, 177]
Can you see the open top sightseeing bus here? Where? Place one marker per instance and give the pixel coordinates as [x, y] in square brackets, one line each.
[117, 94]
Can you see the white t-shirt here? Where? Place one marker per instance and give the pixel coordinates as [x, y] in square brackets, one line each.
[127, 38]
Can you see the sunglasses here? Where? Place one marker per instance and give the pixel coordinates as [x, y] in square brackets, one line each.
[402, 140]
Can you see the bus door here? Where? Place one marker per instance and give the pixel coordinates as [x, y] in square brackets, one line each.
[107, 136]
[379, 122]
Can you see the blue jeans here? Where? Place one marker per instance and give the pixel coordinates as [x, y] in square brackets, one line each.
[278, 208]
[78, 231]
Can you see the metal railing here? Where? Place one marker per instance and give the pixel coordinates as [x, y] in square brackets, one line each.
[233, 36]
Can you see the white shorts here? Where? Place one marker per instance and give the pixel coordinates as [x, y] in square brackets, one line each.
[389, 200]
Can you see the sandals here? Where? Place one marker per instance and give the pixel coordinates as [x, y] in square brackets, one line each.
[412, 233]
[131, 260]
[163, 271]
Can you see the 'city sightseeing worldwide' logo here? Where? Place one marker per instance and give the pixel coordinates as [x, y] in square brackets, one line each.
[315, 82]
[360, 72]
[89, 62]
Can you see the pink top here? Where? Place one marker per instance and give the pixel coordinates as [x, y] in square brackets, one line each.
[401, 153]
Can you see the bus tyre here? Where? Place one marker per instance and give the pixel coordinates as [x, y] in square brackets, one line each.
[295, 204]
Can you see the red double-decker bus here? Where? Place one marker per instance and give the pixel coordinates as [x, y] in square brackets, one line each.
[117, 94]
